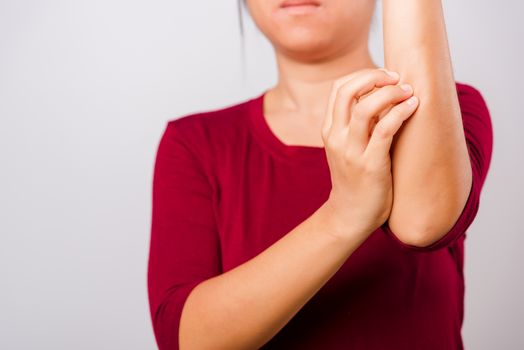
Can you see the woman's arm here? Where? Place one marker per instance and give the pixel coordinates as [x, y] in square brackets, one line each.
[245, 307]
[194, 303]
[430, 163]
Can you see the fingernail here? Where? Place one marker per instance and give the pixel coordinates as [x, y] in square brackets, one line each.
[412, 100]
[405, 87]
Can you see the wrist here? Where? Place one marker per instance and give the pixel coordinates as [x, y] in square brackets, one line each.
[341, 225]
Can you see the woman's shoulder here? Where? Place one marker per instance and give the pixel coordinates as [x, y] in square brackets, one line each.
[228, 115]
[213, 130]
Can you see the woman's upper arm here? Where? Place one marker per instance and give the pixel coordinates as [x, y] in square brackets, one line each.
[184, 245]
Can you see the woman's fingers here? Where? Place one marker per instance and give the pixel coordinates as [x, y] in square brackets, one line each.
[349, 92]
[359, 98]
[382, 137]
[368, 108]
[346, 92]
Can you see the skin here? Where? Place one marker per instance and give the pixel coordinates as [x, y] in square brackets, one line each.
[331, 94]
[313, 51]
[431, 170]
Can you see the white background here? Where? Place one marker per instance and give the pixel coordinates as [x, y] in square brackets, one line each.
[86, 88]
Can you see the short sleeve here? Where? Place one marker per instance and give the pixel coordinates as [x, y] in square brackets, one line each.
[478, 131]
[184, 244]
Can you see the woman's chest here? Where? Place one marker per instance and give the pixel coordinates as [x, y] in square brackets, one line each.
[261, 199]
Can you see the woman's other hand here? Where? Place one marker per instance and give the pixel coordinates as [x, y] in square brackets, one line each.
[365, 110]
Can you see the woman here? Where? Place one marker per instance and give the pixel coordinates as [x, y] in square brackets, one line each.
[330, 211]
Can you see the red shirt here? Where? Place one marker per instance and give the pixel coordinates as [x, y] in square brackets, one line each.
[225, 188]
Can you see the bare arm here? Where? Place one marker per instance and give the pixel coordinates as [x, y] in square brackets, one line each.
[245, 307]
[431, 167]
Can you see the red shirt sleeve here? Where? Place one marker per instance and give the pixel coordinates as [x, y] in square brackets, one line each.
[184, 244]
[478, 131]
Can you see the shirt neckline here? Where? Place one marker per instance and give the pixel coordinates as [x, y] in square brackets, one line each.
[291, 153]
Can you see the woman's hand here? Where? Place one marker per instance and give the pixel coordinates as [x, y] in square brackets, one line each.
[357, 150]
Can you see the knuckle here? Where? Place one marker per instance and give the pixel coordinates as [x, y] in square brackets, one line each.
[347, 91]
[369, 168]
[343, 95]
[390, 93]
[396, 113]
[394, 90]
[384, 72]
[332, 143]
[380, 74]
[351, 158]
[382, 130]
[328, 142]
[338, 83]
[343, 88]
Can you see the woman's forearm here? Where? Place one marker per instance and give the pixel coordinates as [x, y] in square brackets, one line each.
[245, 307]
[430, 161]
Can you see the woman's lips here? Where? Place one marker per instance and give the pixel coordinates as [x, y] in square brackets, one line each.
[299, 6]
[289, 3]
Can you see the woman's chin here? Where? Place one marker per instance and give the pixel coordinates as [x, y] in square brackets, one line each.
[304, 43]
[306, 52]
